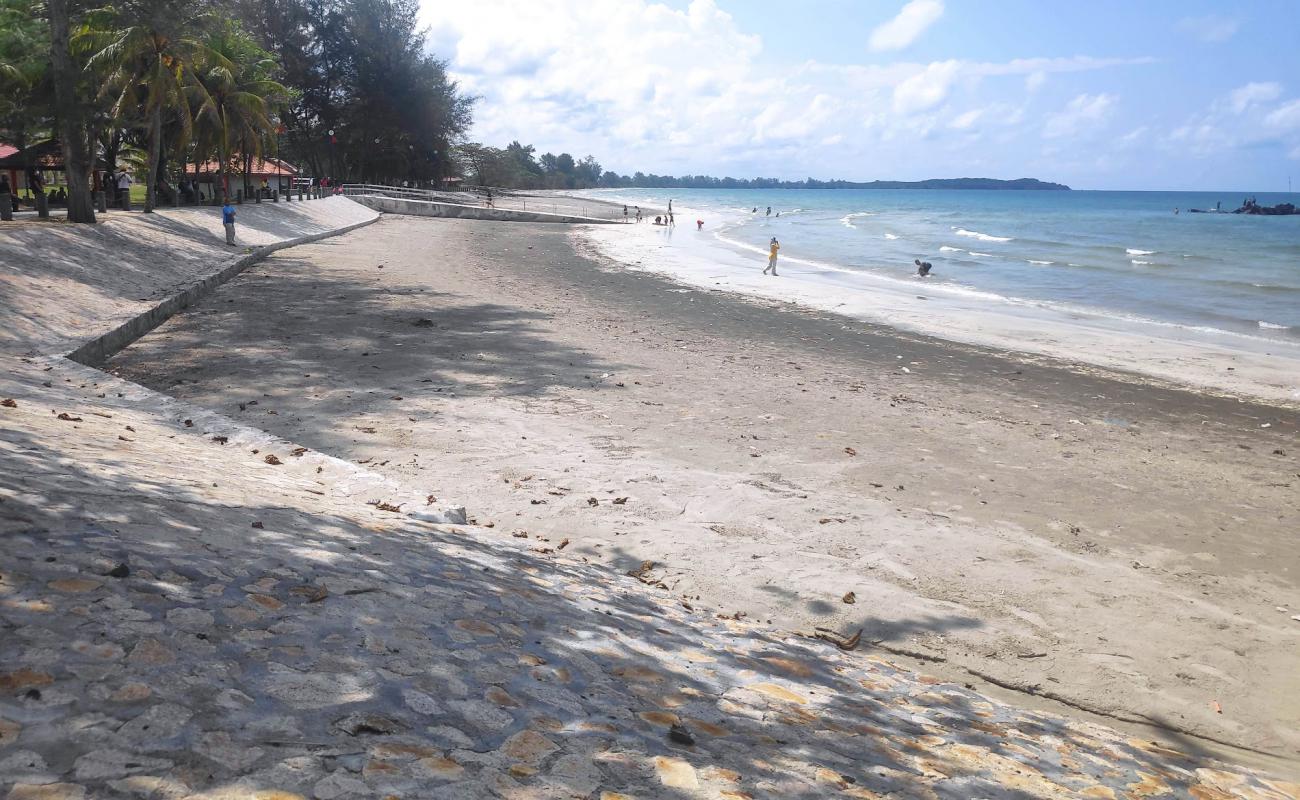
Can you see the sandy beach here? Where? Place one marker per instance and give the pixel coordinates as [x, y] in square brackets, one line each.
[1068, 538]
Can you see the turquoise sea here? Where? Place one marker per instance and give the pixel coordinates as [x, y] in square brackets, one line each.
[1121, 254]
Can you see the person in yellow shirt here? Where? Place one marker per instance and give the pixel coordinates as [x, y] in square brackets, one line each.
[771, 256]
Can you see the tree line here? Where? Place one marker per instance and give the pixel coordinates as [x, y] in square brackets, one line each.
[517, 166]
[341, 87]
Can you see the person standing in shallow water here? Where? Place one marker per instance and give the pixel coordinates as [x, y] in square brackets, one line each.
[773, 247]
[228, 220]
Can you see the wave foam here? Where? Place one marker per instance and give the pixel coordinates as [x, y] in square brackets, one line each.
[1042, 263]
[1273, 326]
[1140, 263]
[981, 255]
[946, 249]
[847, 219]
[1133, 252]
[983, 237]
[890, 236]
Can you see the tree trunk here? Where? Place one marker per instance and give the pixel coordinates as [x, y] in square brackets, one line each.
[76, 164]
[155, 149]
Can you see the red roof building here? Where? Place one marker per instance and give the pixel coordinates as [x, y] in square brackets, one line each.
[277, 174]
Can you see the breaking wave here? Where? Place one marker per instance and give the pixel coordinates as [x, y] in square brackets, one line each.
[983, 237]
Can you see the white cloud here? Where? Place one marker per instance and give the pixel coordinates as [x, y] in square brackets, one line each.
[1081, 114]
[907, 26]
[1134, 136]
[927, 88]
[1246, 96]
[1035, 80]
[1210, 28]
[1285, 118]
[1247, 117]
[967, 120]
[643, 86]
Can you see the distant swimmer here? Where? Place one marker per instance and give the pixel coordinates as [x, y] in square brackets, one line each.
[1175, 212]
[699, 224]
[923, 268]
[773, 247]
[769, 211]
[754, 210]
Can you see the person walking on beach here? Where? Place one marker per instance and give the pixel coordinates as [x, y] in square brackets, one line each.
[771, 256]
[769, 211]
[638, 213]
[670, 207]
[625, 213]
[228, 220]
[699, 224]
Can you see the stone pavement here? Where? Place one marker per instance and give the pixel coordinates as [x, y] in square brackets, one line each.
[193, 609]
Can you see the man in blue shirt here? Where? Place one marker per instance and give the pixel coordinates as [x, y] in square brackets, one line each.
[228, 219]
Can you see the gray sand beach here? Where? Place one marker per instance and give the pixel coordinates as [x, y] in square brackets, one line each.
[1053, 534]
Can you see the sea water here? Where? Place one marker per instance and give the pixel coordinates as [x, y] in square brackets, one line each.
[1123, 262]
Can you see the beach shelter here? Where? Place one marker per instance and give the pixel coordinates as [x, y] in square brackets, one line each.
[278, 174]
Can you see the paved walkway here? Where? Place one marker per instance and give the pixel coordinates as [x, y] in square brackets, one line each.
[193, 609]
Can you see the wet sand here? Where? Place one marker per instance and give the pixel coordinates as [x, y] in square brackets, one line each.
[1121, 548]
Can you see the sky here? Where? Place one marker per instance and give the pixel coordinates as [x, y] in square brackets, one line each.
[1107, 94]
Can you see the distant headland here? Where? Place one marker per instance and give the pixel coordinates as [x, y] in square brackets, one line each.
[642, 181]
[953, 183]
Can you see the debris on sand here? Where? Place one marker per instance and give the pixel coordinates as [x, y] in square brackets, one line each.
[849, 597]
[838, 639]
[640, 572]
[680, 735]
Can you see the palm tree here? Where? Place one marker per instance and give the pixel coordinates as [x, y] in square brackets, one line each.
[78, 155]
[235, 98]
[151, 47]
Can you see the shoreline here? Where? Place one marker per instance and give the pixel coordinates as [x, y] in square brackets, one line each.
[991, 510]
[1225, 363]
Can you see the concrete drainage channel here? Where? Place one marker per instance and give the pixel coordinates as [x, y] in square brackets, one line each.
[348, 478]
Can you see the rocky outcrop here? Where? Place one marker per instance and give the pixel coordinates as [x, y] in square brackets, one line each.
[1280, 210]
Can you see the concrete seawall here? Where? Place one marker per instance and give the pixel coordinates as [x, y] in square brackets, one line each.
[428, 208]
[98, 350]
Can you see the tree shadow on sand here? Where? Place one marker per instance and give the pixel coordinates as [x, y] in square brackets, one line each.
[413, 658]
[355, 349]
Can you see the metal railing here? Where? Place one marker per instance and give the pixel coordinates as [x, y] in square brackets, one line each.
[483, 197]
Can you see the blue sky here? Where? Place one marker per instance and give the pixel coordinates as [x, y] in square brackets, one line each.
[1103, 95]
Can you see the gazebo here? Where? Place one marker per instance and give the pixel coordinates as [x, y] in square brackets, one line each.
[278, 174]
[45, 156]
